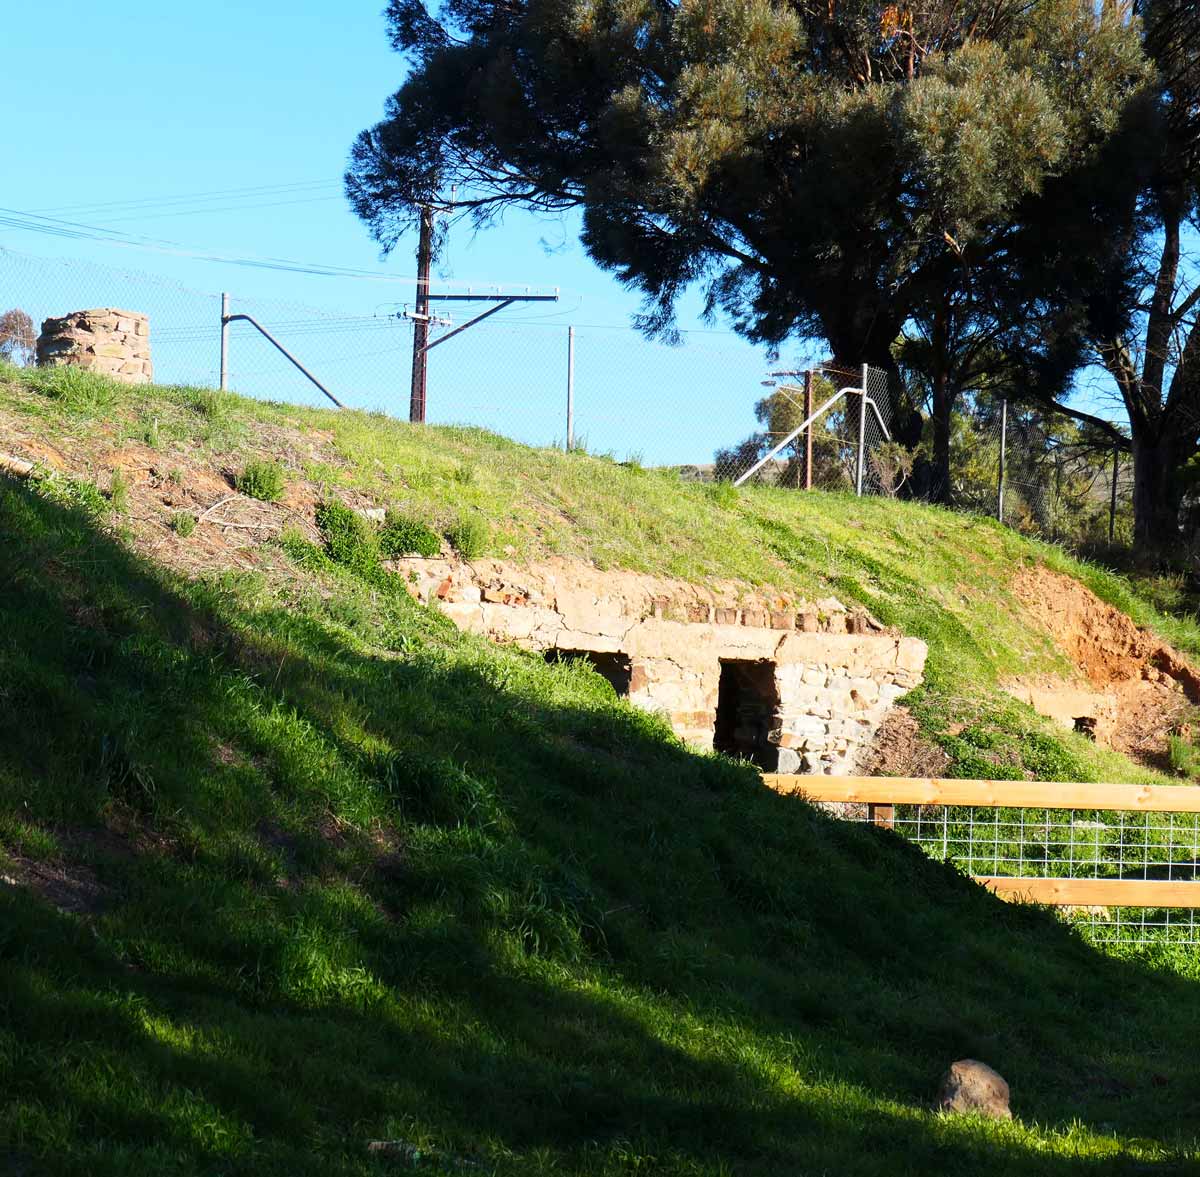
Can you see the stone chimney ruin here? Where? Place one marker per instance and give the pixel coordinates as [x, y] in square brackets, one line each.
[113, 342]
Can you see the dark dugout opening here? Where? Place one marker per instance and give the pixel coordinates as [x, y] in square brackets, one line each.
[616, 668]
[747, 702]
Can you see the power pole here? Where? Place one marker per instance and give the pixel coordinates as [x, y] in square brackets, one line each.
[423, 319]
[420, 360]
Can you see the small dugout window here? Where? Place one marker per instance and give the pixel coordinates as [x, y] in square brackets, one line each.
[615, 668]
[747, 705]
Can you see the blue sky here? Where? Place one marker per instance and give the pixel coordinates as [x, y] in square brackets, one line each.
[175, 104]
[163, 123]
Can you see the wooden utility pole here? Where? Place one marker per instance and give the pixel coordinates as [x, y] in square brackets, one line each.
[421, 319]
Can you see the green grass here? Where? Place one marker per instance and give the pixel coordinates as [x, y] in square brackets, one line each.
[936, 574]
[363, 877]
[468, 536]
[357, 876]
[183, 524]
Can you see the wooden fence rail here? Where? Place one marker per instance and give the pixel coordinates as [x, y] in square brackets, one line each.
[997, 794]
[881, 794]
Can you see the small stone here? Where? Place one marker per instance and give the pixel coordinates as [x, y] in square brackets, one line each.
[972, 1087]
[790, 762]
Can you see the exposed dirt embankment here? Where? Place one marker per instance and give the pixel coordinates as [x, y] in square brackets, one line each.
[1130, 689]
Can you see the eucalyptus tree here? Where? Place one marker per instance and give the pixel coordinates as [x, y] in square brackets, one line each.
[821, 168]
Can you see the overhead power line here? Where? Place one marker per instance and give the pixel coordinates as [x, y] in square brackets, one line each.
[58, 227]
[192, 212]
[186, 197]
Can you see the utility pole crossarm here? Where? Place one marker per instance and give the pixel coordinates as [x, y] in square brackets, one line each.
[423, 320]
[469, 323]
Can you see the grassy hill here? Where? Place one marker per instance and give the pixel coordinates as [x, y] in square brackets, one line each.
[292, 865]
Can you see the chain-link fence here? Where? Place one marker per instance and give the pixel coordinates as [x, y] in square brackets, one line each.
[825, 428]
[1040, 473]
[700, 406]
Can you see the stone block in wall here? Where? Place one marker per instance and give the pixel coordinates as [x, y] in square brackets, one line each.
[910, 656]
[113, 342]
[789, 761]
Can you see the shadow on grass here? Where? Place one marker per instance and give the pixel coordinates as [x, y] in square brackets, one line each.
[380, 880]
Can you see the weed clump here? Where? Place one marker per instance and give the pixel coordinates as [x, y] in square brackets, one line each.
[402, 536]
[262, 479]
[350, 539]
[468, 537]
[209, 403]
[1183, 755]
[183, 523]
[118, 492]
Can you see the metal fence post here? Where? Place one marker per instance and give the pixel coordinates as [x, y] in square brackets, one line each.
[808, 433]
[570, 389]
[862, 432]
[224, 341]
[1003, 446]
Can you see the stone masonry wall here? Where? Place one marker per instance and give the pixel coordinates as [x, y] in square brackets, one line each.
[836, 674]
[107, 340]
[834, 696]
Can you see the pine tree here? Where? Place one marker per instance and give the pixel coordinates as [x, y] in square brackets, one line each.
[829, 169]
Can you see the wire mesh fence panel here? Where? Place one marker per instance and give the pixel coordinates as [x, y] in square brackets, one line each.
[886, 466]
[1039, 473]
[663, 405]
[1068, 844]
[630, 398]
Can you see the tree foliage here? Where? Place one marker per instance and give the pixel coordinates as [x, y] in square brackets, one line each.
[821, 168]
[18, 339]
[1148, 336]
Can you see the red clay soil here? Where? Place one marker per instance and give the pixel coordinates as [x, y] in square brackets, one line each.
[1132, 684]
